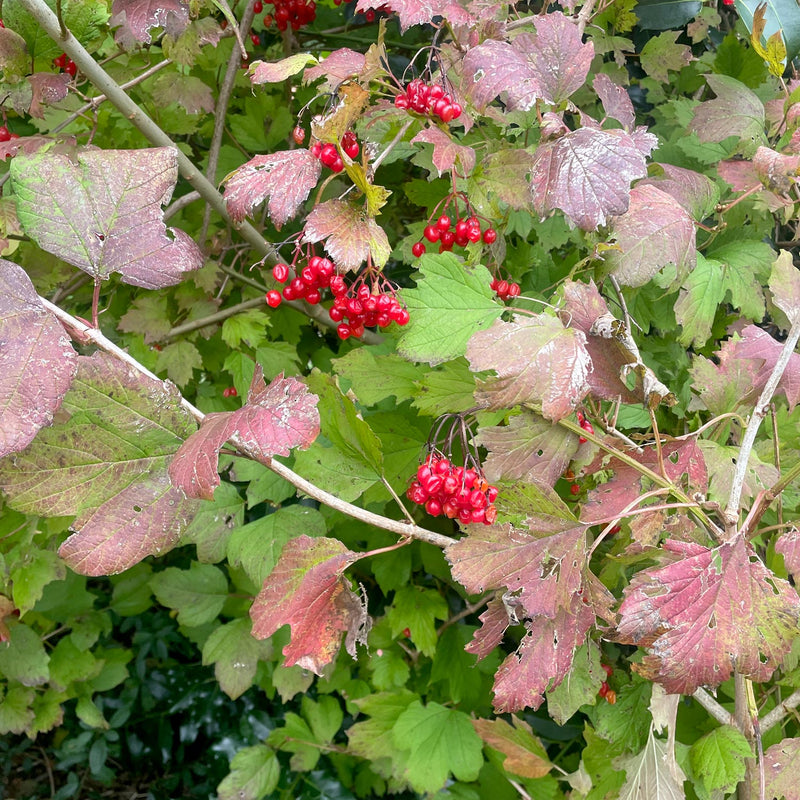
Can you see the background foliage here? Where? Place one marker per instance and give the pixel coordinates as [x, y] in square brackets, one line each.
[208, 585]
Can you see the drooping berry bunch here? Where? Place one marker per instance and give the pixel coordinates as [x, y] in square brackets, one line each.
[458, 491]
[460, 231]
[366, 306]
[504, 289]
[308, 283]
[585, 424]
[328, 153]
[429, 99]
[454, 491]
[65, 64]
[294, 13]
[6, 135]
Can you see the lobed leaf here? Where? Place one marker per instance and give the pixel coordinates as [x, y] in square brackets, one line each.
[101, 211]
[696, 192]
[537, 361]
[284, 179]
[780, 770]
[307, 591]
[615, 99]
[37, 361]
[712, 611]
[278, 71]
[587, 174]
[137, 18]
[336, 67]
[420, 12]
[446, 152]
[48, 89]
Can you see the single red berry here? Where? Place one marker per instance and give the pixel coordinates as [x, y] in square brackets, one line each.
[603, 689]
[280, 272]
[417, 249]
[258, 7]
[370, 15]
[268, 20]
[608, 668]
[255, 39]
[71, 68]
[60, 61]
[343, 331]
[443, 223]
[5, 133]
[407, 633]
[574, 489]
[273, 298]
[298, 134]
[490, 236]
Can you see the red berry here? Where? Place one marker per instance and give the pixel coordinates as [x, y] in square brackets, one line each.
[417, 249]
[298, 134]
[490, 236]
[608, 668]
[574, 489]
[443, 223]
[5, 133]
[603, 689]
[230, 392]
[71, 68]
[60, 61]
[273, 298]
[268, 20]
[370, 16]
[258, 6]
[255, 39]
[343, 331]
[407, 633]
[280, 272]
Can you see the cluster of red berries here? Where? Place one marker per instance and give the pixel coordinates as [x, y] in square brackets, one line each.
[362, 308]
[6, 135]
[294, 13]
[585, 424]
[230, 392]
[318, 274]
[447, 235]
[65, 64]
[609, 694]
[457, 492]
[328, 154]
[432, 100]
[504, 290]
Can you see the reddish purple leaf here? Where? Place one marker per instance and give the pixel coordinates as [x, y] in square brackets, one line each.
[307, 590]
[624, 487]
[696, 192]
[446, 152]
[707, 614]
[37, 362]
[276, 419]
[113, 221]
[337, 67]
[48, 88]
[784, 284]
[788, 545]
[616, 102]
[583, 307]
[284, 179]
[543, 658]
[587, 174]
[138, 17]
[348, 233]
[545, 571]
[741, 175]
[420, 12]
[144, 519]
[529, 448]
[494, 621]
[537, 361]
[780, 770]
[655, 231]
[778, 172]
[736, 111]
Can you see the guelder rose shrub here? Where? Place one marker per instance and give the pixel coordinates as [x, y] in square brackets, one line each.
[443, 385]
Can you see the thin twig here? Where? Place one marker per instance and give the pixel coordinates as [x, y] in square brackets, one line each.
[720, 714]
[213, 319]
[780, 711]
[759, 412]
[86, 334]
[178, 205]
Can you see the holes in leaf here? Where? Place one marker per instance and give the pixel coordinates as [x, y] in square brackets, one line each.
[137, 509]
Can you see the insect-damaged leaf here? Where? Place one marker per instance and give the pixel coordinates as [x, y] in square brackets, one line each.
[788, 545]
[587, 174]
[421, 12]
[275, 419]
[780, 770]
[537, 361]
[543, 568]
[336, 68]
[37, 362]
[284, 179]
[307, 590]
[105, 459]
[551, 65]
[708, 613]
[138, 17]
[349, 235]
[101, 211]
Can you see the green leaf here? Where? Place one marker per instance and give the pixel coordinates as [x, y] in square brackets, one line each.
[580, 685]
[16, 713]
[718, 759]
[197, 594]
[662, 53]
[347, 478]
[132, 594]
[179, 359]
[450, 303]
[662, 15]
[417, 609]
[255, 547]
[89, 713]
[341, 424]
[290, 681]
[441, 741]
[254, 774]
[389, 669]
[448, 388]
[376, 374]
[69, 664]
[23, 657]
[746, 266]
[277, 357]
[702, 292]
[248, 327]
[455, 667]
[216, 520]
[149, 316]
[30, 576]
[48, 712]
[235, 655]
[627, 722]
